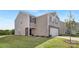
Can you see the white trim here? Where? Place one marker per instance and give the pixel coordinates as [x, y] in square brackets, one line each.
[48, 19]
[28, 25]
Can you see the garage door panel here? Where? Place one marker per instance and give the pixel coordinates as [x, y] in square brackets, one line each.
[53, 32]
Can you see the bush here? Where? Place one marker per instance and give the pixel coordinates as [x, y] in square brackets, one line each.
[12, 31]
[77, 33]
[69, 35]
[64, 34]
[6, 32]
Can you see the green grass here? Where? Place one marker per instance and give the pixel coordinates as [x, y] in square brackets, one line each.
[56, 43]
[33, 42]
[21, 41]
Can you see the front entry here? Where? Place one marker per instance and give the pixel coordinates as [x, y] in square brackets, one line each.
[30, 31]
[26, 31]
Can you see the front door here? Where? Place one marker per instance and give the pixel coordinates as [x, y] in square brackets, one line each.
[26, 31]
[30, 31]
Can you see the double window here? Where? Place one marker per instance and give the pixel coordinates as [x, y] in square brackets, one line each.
[51, 19]
[32, 19]
[54, 19]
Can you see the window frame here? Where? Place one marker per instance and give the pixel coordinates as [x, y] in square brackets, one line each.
[32, 20]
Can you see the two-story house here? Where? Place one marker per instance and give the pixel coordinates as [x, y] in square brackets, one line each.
[44, 25]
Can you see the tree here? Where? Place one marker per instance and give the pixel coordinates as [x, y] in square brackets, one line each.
[12, 31]
[70, 25]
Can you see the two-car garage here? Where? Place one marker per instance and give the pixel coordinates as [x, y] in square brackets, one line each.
[53, 31]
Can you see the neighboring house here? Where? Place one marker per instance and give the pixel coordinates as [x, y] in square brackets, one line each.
[64, 30]
[77, 27]
[44, 25]
[76, 30]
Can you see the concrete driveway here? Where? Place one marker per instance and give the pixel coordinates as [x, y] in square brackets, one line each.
[67, 37]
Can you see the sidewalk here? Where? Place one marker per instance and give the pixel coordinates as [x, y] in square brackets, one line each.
[67, 37]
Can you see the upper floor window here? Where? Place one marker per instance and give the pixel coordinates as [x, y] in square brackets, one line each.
[33, 20]
[54, 20]
[51, 19]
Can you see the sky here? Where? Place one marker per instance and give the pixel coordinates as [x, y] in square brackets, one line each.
[7, 17]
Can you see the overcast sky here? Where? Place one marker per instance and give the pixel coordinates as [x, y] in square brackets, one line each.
[7, 17]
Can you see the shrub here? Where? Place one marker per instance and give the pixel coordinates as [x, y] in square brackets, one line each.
[6, 32]
[77, 33]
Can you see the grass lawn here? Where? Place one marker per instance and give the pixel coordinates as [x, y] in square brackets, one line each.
[21, 41]
[31, 42]
[56, 43]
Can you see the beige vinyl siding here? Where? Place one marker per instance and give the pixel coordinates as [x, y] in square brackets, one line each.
[41, 25]
[21, 23]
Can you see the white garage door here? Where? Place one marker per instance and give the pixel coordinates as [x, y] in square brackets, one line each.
[53, 32]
